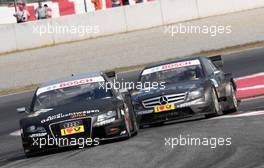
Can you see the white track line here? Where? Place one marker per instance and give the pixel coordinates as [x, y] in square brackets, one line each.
[250, 76]
[236, 115]
[13, 94]
[252, 98]
[251, 87]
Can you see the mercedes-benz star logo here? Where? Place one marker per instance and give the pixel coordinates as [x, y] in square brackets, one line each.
[163, 100]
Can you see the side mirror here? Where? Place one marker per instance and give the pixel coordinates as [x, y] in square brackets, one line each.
[217, 72]
[22, 110]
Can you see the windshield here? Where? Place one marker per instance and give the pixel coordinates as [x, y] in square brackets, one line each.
[174, 75]
[71, 94]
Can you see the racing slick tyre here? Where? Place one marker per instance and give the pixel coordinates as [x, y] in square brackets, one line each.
[232, 101]
[127, 129]
[131, 127]
[132, 115]
[30, 154]
[141, 126]
[216, 107]
[135, 130]
[130, 131]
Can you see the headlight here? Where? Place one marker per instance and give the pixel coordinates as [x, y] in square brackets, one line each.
[108, 115]
[137, 106]
[35, 129]
[196, 94]
[106, 118]
[134, 93]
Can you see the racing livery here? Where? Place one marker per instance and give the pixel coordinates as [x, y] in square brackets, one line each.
[191, 86]
[74, 108]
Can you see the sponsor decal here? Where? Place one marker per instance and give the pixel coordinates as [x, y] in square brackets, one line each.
[166, 107]
[37, 113]
[105, 122]
[70, 83]
[72, 130]
[171, 66]
[78, 115]
[144, 112]
[38, 135]
[71, 115]
[187, 104]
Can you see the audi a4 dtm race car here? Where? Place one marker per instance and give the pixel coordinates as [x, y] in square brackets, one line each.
[191, 86]
[78, 108]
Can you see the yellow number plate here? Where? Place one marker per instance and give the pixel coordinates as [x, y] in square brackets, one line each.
[162, 108]
[72, 130]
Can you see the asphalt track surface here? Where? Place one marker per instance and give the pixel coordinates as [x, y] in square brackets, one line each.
[149, 148]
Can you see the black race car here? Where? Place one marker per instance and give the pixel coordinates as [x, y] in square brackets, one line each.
[187, 87]
[77, 111]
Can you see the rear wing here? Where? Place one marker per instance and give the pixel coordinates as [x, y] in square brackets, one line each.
[217, 60]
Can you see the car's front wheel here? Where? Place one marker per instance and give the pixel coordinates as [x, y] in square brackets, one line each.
[232, 101]
[215, 106]
[29, 153]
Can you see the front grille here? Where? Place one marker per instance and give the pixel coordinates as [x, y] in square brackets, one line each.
[166, 116]
[86, 122]
[156, 101]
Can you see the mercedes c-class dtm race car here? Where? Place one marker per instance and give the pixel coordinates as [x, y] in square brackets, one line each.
[64, 112]
[188, 87]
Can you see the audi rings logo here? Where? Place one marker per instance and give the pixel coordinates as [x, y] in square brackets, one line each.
[71, 124]
[163, 100]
